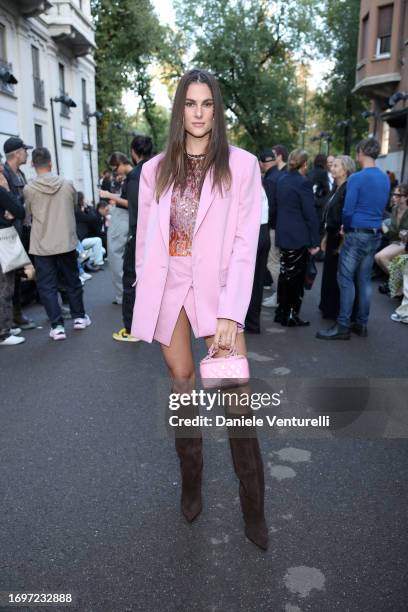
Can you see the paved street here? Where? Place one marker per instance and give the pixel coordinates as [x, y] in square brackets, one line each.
[90, 485]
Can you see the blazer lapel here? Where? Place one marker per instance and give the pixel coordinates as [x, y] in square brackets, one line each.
[164, 215]
[206, 199]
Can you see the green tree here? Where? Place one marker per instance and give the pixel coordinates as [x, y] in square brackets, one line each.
[252, 47]
[336, 100]
[129, 39]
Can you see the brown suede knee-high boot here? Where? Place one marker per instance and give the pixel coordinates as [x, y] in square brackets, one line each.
[189, 451]
[248, 466]
[189, 445]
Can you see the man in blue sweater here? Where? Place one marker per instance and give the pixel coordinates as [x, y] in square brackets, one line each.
[363, 213]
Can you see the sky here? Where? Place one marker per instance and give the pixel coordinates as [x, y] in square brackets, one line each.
[166, 14]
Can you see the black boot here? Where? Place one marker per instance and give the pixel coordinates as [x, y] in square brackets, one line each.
[248, 466]
[337, 332]
[293, 320]
[189, 451]
[360, 330]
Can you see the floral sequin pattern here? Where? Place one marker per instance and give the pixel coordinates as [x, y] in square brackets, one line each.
[183, 209]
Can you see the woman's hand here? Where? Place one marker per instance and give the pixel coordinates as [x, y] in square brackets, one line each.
[105, 195]
[9, 216]
[226, 334]
[314, 250]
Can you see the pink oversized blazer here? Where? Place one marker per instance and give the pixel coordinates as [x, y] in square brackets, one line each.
[224, 247]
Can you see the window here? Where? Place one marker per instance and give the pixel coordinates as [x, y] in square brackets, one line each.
[385, 15]
[3, 54]
[38, 135]
[364, 38]
[85, 108]
[39, 97]
[61, 77]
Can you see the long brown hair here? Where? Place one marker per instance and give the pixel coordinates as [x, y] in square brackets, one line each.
[173, 166]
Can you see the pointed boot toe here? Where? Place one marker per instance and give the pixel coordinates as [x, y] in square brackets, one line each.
[191, 508]
[258, 534]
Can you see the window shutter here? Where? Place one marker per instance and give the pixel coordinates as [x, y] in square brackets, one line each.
[385, 14]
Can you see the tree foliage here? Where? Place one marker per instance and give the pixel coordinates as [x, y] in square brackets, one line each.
[252, 47]
[335, 100]
[129, 38]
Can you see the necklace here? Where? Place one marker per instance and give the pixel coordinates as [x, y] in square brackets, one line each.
[201, 156]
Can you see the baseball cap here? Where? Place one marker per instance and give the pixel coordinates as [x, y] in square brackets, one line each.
[13, 144]
[267, 154]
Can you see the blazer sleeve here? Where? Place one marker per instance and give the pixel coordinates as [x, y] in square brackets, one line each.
[146, 198]
[309, 212]
[236, 294]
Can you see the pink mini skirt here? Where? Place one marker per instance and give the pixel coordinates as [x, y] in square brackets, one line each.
[178, 293]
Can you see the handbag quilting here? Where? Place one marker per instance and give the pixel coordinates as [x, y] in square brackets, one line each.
[231, 370]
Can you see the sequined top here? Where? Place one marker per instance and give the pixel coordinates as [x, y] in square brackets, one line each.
[184, 207]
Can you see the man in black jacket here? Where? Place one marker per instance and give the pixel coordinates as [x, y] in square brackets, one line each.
[276, 158]
[10, 210]
[141, 151]
[16, 155]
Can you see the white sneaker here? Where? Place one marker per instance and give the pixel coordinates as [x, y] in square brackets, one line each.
[14, 331]
[271, 302]
[58, 333]
[85, 276]
[82, 322]
[12, 340]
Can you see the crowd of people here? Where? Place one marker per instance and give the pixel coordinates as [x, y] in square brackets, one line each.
[67, 239]
[356, 223]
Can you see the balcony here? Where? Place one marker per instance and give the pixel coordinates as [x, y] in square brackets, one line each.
[39, 94]
[7, 88]
[69, 26]
[32, 8]
[377, 85]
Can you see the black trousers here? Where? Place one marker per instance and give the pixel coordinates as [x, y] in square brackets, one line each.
[50, 270]
[330, 293]
[252, 320]
[128, 279]
[291, 280]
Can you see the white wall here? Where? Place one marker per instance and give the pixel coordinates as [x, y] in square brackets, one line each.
[18, 114]
[392, 162]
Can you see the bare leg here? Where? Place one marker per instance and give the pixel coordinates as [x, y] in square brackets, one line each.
[384, 257]
[188, 440]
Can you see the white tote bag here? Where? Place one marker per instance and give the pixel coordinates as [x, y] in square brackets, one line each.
[12, 253]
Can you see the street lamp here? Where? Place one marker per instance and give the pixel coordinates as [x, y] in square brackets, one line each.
[67, 101]
[347, 124]
[7, 77]
[98, 115]
[323, 136]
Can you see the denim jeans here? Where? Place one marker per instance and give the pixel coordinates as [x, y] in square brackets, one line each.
[354, 275]
[49, 269]
[98, 251]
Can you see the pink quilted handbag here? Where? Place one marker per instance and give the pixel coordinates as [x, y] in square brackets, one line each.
[233, 369]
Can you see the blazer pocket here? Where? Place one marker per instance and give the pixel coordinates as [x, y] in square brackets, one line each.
[223, 276]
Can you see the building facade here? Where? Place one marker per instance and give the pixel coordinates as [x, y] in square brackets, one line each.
[382, 73]
[48, 46]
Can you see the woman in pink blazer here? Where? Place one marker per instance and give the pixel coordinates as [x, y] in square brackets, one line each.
[196, 242]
